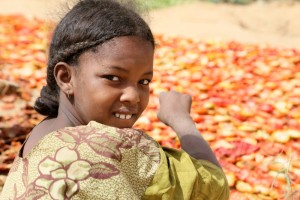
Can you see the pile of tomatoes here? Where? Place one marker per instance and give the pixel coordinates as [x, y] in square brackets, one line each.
[246, 102]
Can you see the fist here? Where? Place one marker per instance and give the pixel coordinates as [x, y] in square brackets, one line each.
[173, 107]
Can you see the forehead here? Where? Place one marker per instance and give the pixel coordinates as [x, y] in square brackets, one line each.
[121, 45]
[124, 51]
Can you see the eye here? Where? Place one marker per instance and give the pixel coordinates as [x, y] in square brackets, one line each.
[112, 77]
[144, 82]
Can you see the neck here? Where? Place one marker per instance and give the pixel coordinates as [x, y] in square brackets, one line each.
[67, 115]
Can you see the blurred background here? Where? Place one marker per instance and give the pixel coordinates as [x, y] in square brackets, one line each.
[238, 59]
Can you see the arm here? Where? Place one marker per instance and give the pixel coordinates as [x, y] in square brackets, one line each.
[174, 111]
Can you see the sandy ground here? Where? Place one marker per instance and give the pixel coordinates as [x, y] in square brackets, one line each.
[276, 24]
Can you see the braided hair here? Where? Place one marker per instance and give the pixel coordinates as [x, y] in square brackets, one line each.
[88, 24]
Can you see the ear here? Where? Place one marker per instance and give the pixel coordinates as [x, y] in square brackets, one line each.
[63, 74]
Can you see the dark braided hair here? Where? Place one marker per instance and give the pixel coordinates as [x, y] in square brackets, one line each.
[88, 24]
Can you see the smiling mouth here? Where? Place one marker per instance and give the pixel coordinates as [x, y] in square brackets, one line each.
[123, 116]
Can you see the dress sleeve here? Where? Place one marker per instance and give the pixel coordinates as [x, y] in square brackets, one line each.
[182, 177]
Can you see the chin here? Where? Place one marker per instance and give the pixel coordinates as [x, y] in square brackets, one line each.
[121, 125]
[118, 123]
[124, 126]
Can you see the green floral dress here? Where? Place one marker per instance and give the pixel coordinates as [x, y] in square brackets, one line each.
[102, 162]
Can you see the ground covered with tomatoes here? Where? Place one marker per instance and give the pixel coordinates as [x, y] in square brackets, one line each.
[246, 102]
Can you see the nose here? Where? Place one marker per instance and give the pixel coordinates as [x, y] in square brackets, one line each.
[130, 94]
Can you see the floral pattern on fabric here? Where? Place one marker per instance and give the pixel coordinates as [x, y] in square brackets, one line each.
[133, 137]
[83, 159]
[31, 192]
[104, 144]
[62, 174]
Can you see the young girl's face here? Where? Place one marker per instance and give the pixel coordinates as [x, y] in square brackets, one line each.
[111, 86]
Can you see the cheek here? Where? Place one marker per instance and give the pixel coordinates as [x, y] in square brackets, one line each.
[145, 98]
[84, 93]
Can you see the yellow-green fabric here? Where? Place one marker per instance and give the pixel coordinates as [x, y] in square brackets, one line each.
[101, 162]
[181, 177]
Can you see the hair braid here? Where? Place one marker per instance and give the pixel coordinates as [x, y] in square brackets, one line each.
[47, 104]
[66, 55]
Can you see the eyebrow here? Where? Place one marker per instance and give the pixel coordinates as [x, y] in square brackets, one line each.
[126, 71]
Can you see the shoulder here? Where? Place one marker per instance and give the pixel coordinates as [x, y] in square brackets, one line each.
[101, 154]
[98, 140]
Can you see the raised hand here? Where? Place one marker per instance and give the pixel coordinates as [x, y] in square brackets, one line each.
[174, 111]
[174, 107]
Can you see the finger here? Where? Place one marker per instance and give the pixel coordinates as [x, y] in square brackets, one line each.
[190, 100]
[162, 94]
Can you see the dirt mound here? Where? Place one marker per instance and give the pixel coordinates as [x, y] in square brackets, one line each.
[271, 23]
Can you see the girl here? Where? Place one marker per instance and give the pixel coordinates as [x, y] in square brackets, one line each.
[99, 69]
